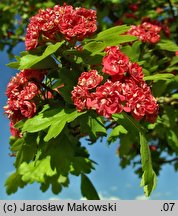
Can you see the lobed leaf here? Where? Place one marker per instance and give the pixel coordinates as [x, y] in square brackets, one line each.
[59, 121]
[116, 132]
[167, 45]
[108, 33]
[87, 189]
[54, 118]
[157, 77]
[149, 177]
[36, 171]
[30, 60]
[174, 60]
[13, 182]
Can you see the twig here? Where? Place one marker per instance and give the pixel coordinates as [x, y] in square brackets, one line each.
[169, 161]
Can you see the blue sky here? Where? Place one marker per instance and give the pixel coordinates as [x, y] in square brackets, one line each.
[109, 179]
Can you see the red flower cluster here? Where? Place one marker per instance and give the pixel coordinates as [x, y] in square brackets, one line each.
[61, 21]
[146, 32]
[164, 25]
[81, 95]
[21, 91]
[125, 89]
[115, 62]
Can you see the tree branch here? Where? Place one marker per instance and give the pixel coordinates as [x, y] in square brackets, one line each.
[169, 161]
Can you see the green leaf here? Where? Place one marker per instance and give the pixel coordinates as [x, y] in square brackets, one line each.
[36, 171]
[174, 60]
[17, 145]
[95, 47]
[19, 124]
[41, 121]
[175, 96]
[132, 51]
[59, 121]
[55, 118]
[115, 40]
[92, 125]
[27, 149]
[87, 189]
[128, 122]
[126, 145]
[109, 37]
[116, 132]
[13, 182]
[117, 30]
[157, 77]
[14, 65]
[30, 60]
[81, 165]
[149, 177]
[61, 150]
[167, 45]
[170, 69]
[96, 125]
[172, 140]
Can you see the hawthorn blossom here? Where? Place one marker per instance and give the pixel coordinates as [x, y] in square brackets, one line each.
[14, 131]
[146, 32]
[77, 23]
[139, 100]
[33, 74]
[90, 79]
[27, 108]
[124, 90]
[115, 62]
[29, 91]
[108, 99]
[135, 71]
[58, 23]
[21, 91]
[80, 96]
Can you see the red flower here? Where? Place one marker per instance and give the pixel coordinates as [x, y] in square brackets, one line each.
[32, 74]
[108, 99]
[79, 23]
[146, 32]
[126, 91]
[20, 92]
[115, 62]
[79, 96]
[133, 7]
[29, 91]
[61, 21]
[90, 79]
[27, 108]
[14, 132]
[136, 72]
[42, 24]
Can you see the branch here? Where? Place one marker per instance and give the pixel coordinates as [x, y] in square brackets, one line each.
[169, 161]
[111, 125]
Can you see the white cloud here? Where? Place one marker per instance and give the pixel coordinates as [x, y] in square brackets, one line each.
[54, 198]
[103, 197]
[141, 197]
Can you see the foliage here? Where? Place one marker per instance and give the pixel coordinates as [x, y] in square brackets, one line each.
[47, 140]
